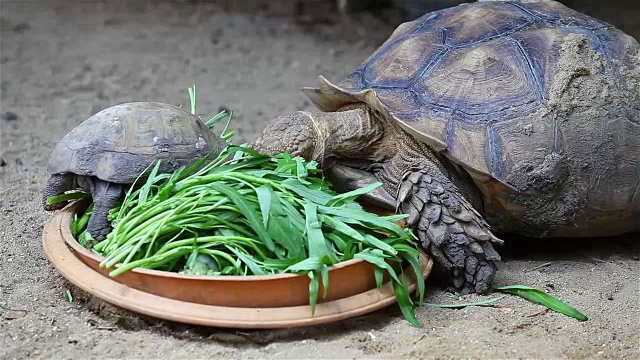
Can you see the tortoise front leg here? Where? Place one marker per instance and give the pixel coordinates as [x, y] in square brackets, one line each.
[449, 228]
[56, 185]
[105, 197]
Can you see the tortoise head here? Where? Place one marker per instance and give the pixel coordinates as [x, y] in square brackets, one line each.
[294, 133]
[345, 143]
[325, 137]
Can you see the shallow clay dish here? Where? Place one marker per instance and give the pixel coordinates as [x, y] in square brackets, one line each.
[227, 301]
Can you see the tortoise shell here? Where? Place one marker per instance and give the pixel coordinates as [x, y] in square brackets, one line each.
[117, 144]
[475, 80]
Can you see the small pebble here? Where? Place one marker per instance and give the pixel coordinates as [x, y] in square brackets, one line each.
[112, 22]
[3, 162]
[10, 116]
[22, 27]
[15, 314]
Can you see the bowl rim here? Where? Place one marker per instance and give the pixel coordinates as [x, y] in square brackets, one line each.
[70, 209]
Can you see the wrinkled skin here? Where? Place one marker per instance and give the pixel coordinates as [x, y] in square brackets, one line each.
[357, 147]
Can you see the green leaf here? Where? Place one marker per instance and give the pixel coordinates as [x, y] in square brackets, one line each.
[292, 214]
[264, 199]
[68, 196]
[227, 135]
[358, 217]
[539, 266]
[317, 244]
[230, 270]
[336, 224]
[285, 164]
[314, 289]
[239, 154]
[144, 190]
[350, 249]
[192, 259]
[353, 194]
[324, 272]
[375, 242]
[167, 187]
[316, 196]
[405, 303]
[406, 249]
[543, 298]
[282, 224]
[192, 98]
[85, 239]
[309, 264]
[413, 258]
[462, 305]
[79, 225]
[214, 120]
[375, 258]
[281, 264]
[68, 296]
[212, 170]
[379, 275]
[337, 240]
[248, 211]
[74, 226]
[191, 169]
[291, 238]
[248, 260]
[301, 171]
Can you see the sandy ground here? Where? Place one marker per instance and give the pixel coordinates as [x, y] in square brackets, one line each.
[62, 63]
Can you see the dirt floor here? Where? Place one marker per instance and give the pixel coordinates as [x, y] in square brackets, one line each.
[62, 61]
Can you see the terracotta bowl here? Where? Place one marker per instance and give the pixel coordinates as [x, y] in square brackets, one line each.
[346, 279]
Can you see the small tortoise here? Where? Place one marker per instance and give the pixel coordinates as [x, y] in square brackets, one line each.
[494, 116]
[114, 146]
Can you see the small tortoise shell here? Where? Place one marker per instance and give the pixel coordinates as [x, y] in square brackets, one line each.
[117, 144]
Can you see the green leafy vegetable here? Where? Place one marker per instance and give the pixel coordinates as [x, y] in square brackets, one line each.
[68, 196]
[539, 266]
[543, 298]
[68, 296]
[462, 305]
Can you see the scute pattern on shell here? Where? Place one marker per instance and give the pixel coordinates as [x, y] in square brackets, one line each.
[458, 77]
[118, 143]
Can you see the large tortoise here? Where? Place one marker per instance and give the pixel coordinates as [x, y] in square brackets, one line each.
[114, 146]
[513, 117]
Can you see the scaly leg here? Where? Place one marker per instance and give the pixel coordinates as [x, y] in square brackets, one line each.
[105, 197]
[447, 225]
[450, 229]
